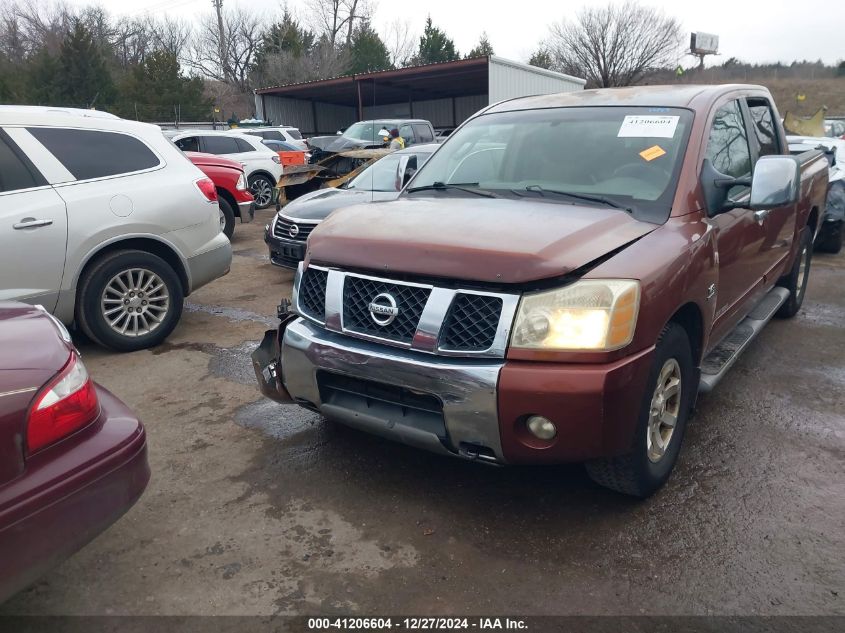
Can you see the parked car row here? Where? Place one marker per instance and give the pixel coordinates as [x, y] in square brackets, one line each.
[557, 282]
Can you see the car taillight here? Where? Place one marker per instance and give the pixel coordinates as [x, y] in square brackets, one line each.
[277, 159]
[65, 405]
[207, 189]
[241, 184]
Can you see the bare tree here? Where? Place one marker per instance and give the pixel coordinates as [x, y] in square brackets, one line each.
[401, 42]
[241, 38]
[323, 61]
[615, 45]
[333, 18]
[169, 34]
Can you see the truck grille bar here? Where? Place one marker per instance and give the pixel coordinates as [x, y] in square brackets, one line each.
[423, 317]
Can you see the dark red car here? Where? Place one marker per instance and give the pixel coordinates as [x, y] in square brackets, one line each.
[233, 194]
[73, 458]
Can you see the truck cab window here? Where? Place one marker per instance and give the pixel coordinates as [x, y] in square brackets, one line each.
[188, 144]
[764, 127]
[727, 148]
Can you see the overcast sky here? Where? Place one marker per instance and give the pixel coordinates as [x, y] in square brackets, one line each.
[752, 30]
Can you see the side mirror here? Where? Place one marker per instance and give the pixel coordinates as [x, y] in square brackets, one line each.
[715, 186]
[776, 182]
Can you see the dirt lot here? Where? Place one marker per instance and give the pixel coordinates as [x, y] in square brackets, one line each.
[256, 508]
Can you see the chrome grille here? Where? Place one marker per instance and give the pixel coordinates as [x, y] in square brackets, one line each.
[282, 229]
[430, 319]
[472, 323]
[312, 293]
[359, 292]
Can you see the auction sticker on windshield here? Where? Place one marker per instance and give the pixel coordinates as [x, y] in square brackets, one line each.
[647, 126]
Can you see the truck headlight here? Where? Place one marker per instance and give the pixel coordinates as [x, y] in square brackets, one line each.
[586, 315]
[241, 184]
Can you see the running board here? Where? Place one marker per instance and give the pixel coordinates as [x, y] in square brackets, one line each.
[721, 359]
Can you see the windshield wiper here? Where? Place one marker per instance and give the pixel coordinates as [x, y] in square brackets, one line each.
[468, 187]
[580, 196]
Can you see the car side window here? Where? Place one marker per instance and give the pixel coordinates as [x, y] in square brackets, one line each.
[727, 147]
[188, 144]
[764, 127]
[244, 146]
[273, 135]
[16, 171]
[408, 134]
[423, 133]
[221, 144]
[95, 153]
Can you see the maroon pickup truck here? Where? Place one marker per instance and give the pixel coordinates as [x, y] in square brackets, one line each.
[558, 282]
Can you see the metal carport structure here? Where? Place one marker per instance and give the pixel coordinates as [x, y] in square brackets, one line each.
[445, 94]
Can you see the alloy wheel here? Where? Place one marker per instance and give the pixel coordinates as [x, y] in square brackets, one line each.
[135, 302]
[262, 191]
[664, 411]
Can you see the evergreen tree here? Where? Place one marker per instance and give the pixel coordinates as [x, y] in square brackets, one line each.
[83, 79]
[367, 51]
[154, 87]
[435, 46]
[42, 72]
[287, 36]
[541, 58]
[483, 48]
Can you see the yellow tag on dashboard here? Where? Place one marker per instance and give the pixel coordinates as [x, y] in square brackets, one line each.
[655, 151]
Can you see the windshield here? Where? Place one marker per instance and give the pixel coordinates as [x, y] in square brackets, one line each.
[628, 156]
[366, 130]
[382, 174]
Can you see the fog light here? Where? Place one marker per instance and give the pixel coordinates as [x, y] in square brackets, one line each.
[541, 427]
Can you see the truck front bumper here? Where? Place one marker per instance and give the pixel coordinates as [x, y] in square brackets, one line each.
[471, 408]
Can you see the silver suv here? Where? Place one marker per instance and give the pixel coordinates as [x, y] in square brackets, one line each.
[104, 223]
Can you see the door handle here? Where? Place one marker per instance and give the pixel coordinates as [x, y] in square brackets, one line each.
[760, 216]
[31, 223]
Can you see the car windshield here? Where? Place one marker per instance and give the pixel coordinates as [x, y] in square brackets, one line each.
[382, 174]
[366, 130]
[626, 156]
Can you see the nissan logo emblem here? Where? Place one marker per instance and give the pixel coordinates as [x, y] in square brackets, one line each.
[293, 230]
[383, 309]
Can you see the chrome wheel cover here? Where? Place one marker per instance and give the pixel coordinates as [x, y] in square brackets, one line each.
[221, 216]
[664, 410]
[135, 302]
[262, 191]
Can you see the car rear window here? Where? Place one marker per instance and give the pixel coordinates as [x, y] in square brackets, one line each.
[16, 172]
[94, 153]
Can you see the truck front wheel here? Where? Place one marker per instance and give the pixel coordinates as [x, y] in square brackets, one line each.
[796, 280]
[662, 421]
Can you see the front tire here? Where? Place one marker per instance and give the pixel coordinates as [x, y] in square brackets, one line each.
[129, 300]
[796, 280]
[261, 188]
[662, 421]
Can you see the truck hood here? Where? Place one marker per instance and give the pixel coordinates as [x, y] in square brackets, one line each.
[317, 205]
[486, 240]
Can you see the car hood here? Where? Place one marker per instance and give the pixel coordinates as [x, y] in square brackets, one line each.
[317, 205]
[30, 339]
[486, 240]
[212, 160]
[344, 143]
